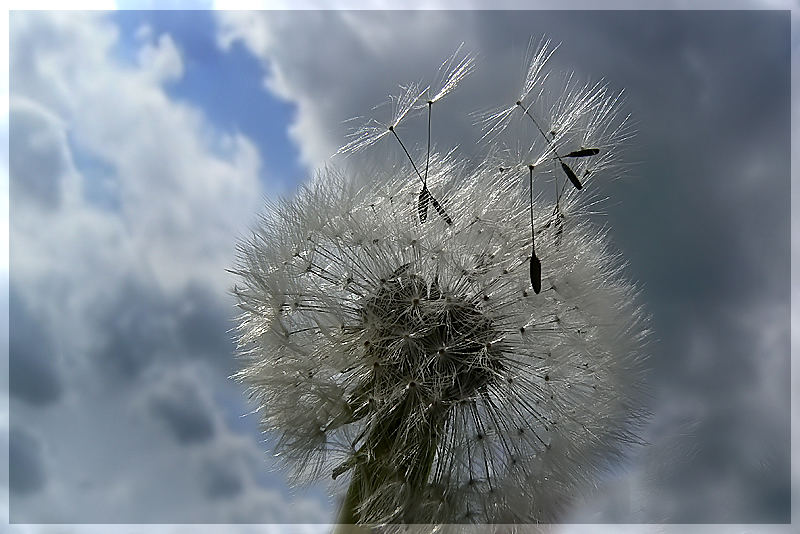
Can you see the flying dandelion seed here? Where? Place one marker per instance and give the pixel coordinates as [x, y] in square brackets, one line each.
[478, 367]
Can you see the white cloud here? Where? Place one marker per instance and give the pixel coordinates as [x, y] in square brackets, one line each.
[182, 188]
[127, 206]
[162, 59]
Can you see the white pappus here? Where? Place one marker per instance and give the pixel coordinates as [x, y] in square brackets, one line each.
[413, 357]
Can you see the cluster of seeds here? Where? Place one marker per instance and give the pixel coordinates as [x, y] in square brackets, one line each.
[415, 358]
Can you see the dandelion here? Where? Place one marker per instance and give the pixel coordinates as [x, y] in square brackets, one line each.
[415, 362]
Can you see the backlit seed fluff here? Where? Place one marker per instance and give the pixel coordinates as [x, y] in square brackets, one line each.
[414, 360]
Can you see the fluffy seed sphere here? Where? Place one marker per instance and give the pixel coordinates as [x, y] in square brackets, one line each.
[370, 339]
[414, 359]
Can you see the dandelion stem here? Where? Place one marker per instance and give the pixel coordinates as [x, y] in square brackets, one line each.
[346, 523]
[428, 157]
[378, 468]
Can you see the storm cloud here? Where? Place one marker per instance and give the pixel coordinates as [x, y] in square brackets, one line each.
[26, 464]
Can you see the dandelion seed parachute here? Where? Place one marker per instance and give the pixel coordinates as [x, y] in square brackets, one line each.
[495, 122]
[450, 74]
[371, 132]
[410, 356]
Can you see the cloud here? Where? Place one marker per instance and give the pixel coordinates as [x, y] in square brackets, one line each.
[34, 372]
[182, 187]
[26, 463]
[184, 411]
[719, 446]
[161, 59]
[223, 482]
[126, 205]
[38, 156]
[198, 324]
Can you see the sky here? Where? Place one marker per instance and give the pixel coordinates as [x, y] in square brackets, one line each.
[143, 145]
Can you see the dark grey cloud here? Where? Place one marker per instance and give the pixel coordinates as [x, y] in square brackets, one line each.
[714, 186]
[136, 329]
[26, 472]
[705, 225]
[740, 439]
[713, 146]
[37, 160]
[33, 368]
[204, 324]
[222, 480]
[142, 327]
[185, 413]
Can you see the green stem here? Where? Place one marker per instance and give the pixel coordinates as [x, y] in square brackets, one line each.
[382, 466]
[348, 514]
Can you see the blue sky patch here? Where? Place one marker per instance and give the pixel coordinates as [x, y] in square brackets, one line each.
[228, 86]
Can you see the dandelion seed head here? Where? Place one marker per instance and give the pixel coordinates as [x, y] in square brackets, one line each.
[414, 361]
[437, 322]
